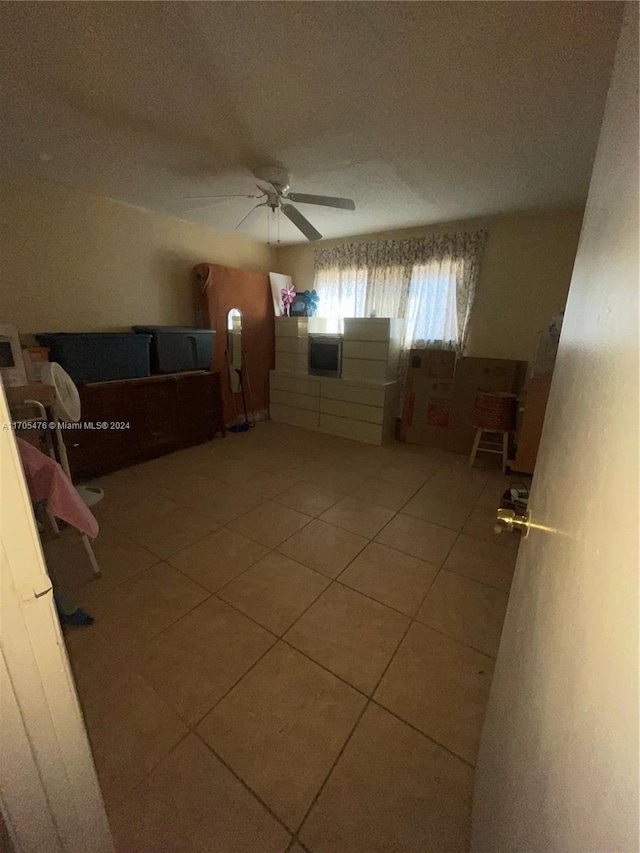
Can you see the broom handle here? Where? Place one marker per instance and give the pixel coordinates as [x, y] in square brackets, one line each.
[246, 371]
[244, 399]
[233, 396]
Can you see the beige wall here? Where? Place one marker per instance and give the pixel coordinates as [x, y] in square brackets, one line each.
[524, 278]
[71, 261]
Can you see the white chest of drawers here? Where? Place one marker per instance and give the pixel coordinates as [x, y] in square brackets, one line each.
[362, 404]
[358, 410]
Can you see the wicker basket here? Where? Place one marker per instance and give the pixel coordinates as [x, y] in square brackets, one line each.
[495, 411]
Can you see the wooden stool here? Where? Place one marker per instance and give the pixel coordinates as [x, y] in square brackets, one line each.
[490, 446]
[494, 413]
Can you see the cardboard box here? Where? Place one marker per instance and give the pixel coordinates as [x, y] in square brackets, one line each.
[433, 363]
[44, 394]
[427, 404]
[438, 412]
[474, 375]
[429, 411]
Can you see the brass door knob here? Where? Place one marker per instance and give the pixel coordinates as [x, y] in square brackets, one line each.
[508, 519]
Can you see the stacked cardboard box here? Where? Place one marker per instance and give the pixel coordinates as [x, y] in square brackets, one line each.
[441, 390]
[428, 400]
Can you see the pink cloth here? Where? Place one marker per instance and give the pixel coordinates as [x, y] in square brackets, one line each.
[46, 479]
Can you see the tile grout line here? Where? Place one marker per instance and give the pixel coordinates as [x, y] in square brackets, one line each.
[139, 645]
[274, 550]
[420, 732]
[317, 571]
[369, 698]
[377, 600]
[413, 621]
[244, 784]
[118, 804]
[372, 701]
[323, 667]
[414, 617]
[448, 636]
[302, 481]
[281, 638]
[331, 769]
[228, 524]
[273, 499]
[200, 719]
[127, 656]
[290, 645]
[368, 701]
[191, 727]
[241, 612]
[366, 706]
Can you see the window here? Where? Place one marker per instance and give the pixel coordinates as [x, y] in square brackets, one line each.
[431, 315]
[342, 292]
[429, 282]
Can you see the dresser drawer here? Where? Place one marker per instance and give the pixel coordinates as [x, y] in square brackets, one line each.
[299, 346]
[367, 329]
[296, 401]
[339, 390]
[372, 350]
[355, 411]
[293, 416]
[347, 428]
[364, 369]
[297, 384]
[292, 362]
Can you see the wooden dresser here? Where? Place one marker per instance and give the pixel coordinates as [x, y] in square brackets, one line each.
[163, 414]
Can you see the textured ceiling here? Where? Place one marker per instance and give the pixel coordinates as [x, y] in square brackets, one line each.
[421, 111]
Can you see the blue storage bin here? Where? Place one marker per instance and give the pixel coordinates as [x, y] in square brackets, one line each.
[178, 348]
[99, 356]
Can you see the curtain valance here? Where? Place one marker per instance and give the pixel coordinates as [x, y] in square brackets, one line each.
[414, 250]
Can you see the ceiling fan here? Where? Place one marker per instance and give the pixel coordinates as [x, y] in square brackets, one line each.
[277, 197]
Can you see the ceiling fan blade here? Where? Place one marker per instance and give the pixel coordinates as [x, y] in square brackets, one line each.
[300, 221]
[324, 200]
[244, 218]
[223, 196]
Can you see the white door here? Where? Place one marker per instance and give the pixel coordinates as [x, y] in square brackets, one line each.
[558, 765]
[49, 794]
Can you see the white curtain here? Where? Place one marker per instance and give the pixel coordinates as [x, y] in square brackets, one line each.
[431, 318]
[343, 294]
[428, 281]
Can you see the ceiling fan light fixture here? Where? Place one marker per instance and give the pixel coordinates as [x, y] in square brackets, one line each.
[277, 198]
[274, 175]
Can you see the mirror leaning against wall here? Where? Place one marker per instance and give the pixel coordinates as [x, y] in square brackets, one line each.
[234, 348]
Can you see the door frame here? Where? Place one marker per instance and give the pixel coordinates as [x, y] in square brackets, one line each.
[49, 792]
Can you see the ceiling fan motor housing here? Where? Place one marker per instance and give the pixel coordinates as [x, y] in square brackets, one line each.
[274, 175]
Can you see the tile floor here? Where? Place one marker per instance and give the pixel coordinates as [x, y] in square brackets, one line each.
[294, 642]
